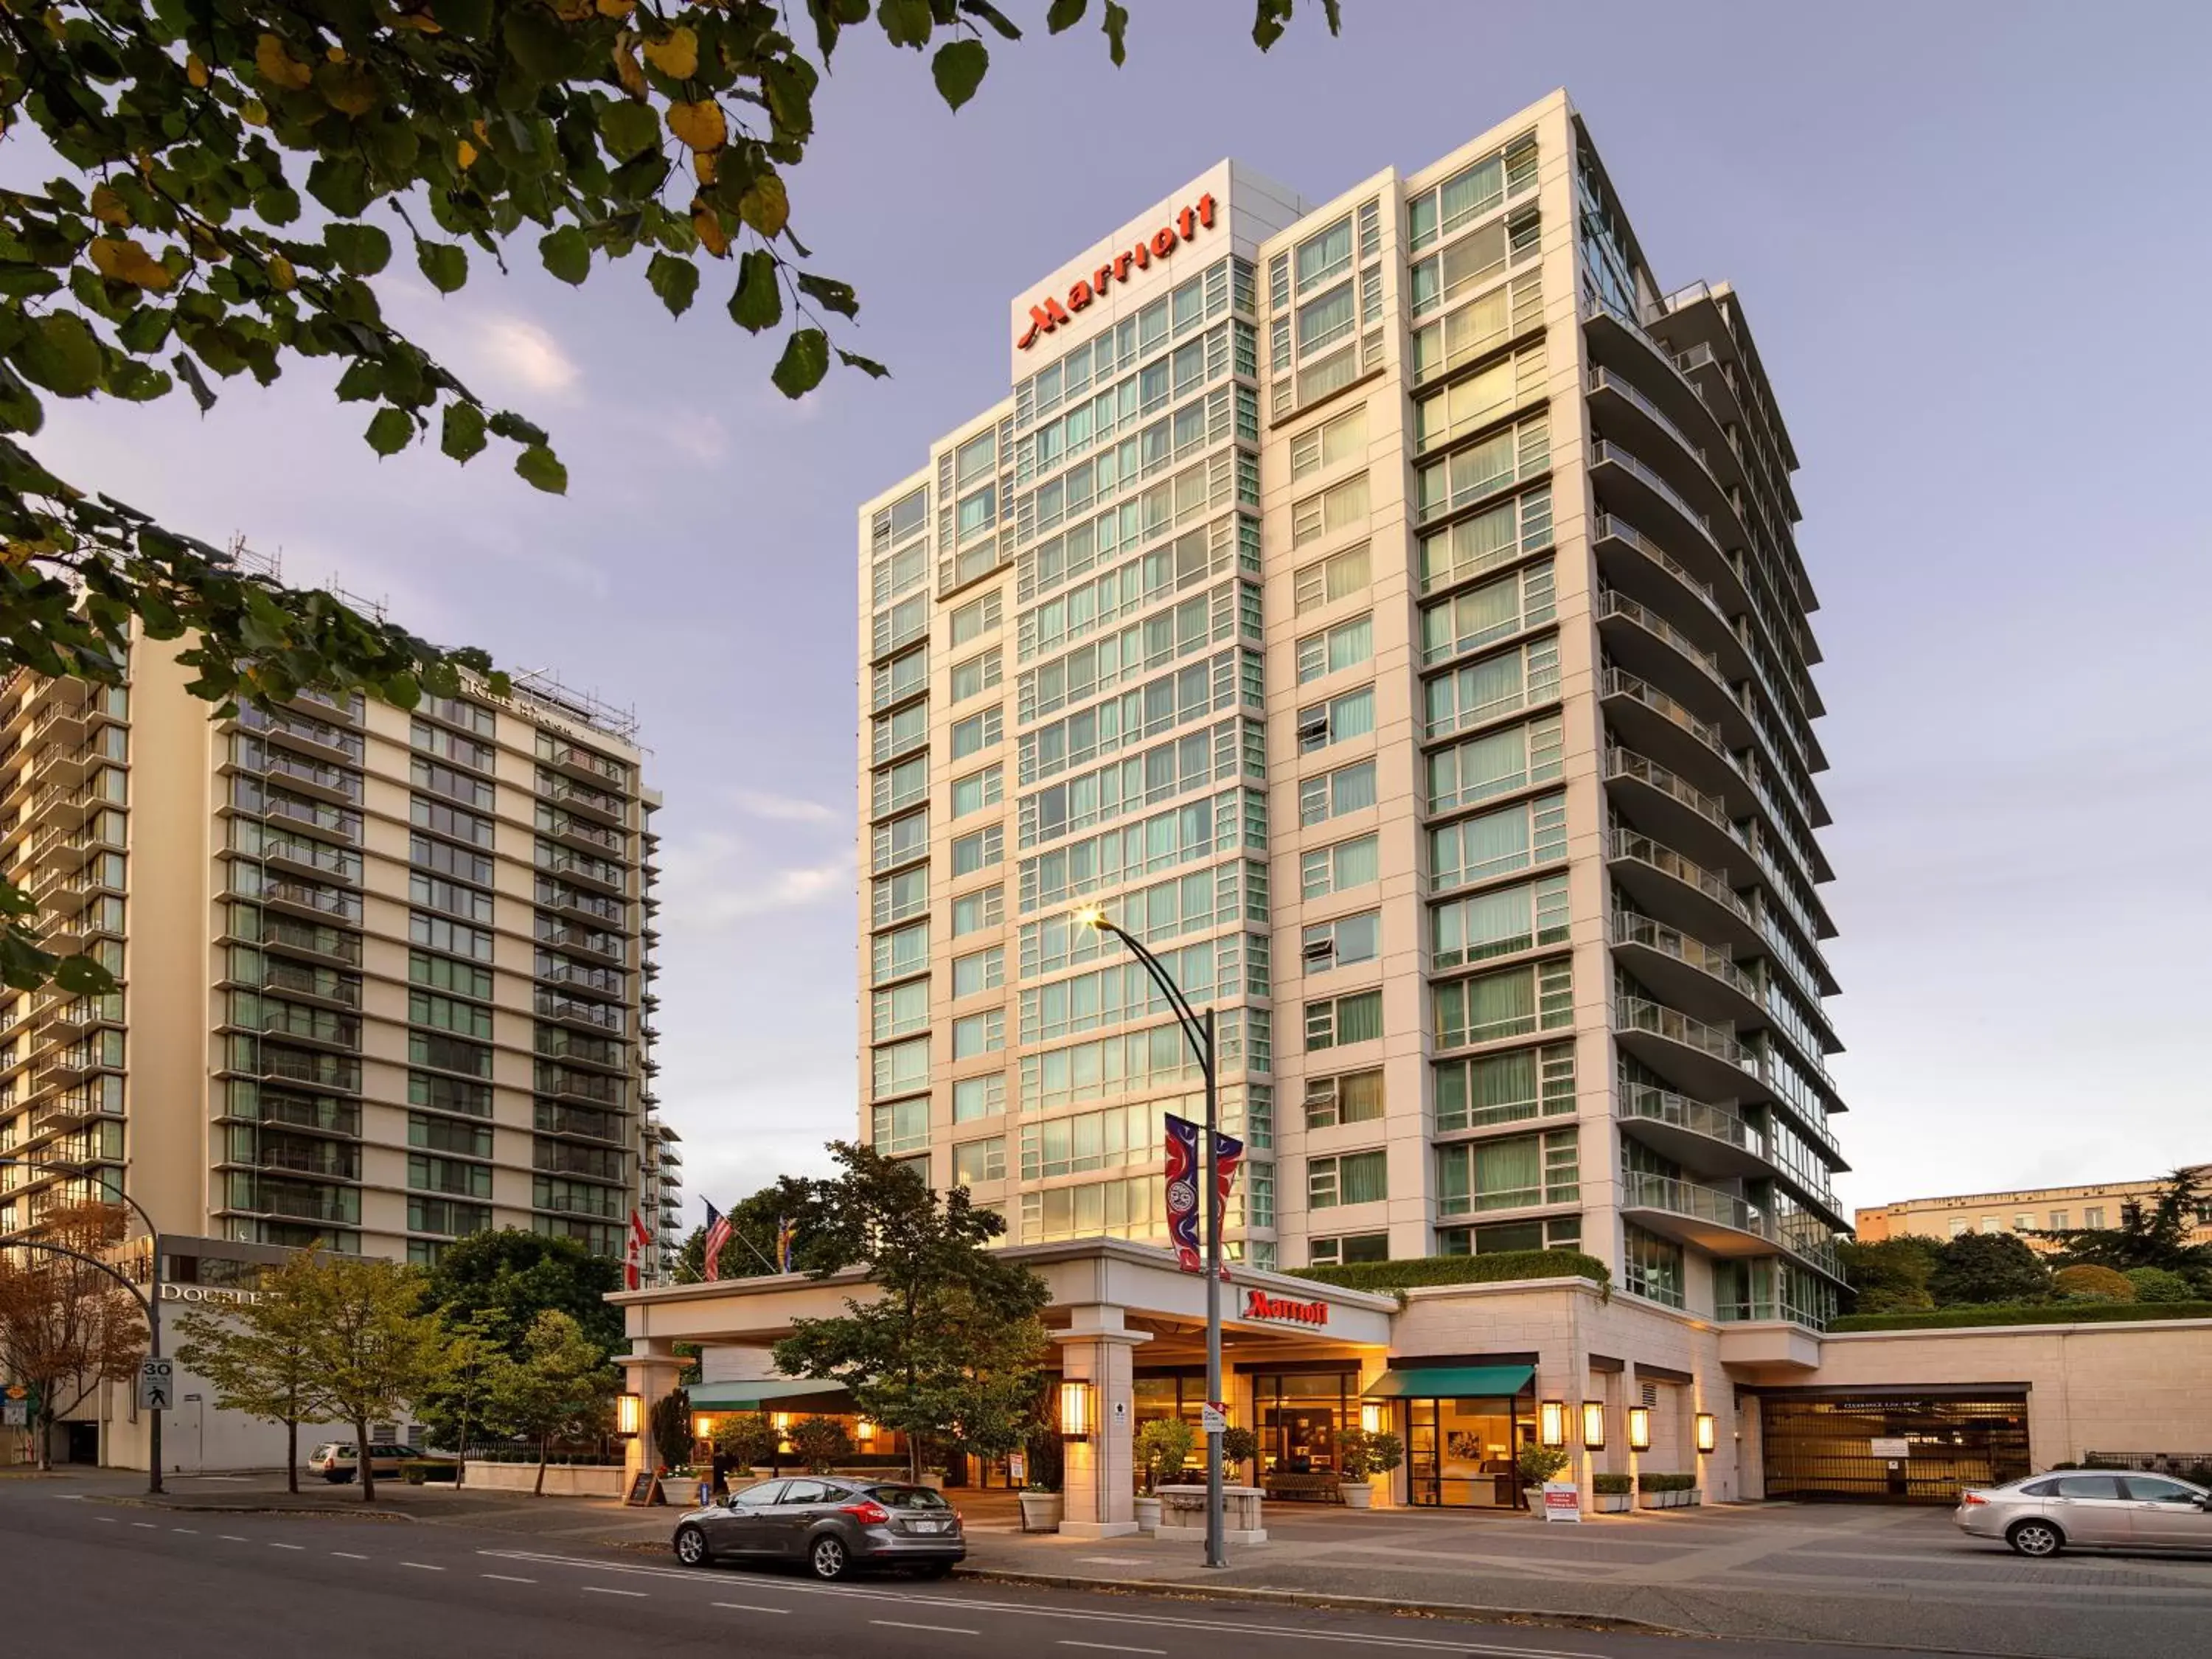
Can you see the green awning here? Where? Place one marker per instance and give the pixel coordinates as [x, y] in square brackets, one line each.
[785, 1394]
[1452, 1382]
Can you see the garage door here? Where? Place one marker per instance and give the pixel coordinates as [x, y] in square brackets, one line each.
[1901, 1448]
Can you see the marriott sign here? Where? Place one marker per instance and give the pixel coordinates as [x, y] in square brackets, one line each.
[1049, 312]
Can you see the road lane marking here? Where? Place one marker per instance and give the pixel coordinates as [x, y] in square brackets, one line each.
[348, 1555]
[149, 1525]
[287, 1546]
[1111, 1647]
[192, 1532]
[233, 1538]
[746, 1607]
[105, 1520]
[422, 1566]
[942, 1630]
[602, 1589]
[507, 1578]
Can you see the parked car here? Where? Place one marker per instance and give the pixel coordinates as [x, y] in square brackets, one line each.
[830, 1524]
[2091, 1508]
[339, 1460]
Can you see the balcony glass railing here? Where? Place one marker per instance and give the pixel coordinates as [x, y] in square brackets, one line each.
[1618, 683]
[1627, 763]
[1647, 1103]
[1640, 1190]
[1640, 848]
[1637, 1014]
[1612, 603]
[1630, 928]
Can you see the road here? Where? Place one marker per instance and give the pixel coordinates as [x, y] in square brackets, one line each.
[217, 1586]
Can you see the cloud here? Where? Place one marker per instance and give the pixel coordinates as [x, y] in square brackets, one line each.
[524, 352]
[711, 880]
[781, 809]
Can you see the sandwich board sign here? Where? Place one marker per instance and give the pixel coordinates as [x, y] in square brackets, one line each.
[157, 1384]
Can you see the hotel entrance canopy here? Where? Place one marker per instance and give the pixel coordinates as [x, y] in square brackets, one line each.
[1452, 1382]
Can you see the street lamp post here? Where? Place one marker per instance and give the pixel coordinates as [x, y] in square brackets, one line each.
[152, 1298]
[1199, 1028]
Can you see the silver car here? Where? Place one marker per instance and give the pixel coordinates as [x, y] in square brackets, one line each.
[831, 1523]
[2091, 1508]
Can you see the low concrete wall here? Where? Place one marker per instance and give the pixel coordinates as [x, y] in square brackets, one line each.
[561, 1479]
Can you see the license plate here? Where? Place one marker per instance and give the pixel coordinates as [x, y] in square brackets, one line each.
[926, 1526]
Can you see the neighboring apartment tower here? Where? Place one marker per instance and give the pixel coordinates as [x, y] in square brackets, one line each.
[1388, 610]
[385, 974]
[2033, 1212]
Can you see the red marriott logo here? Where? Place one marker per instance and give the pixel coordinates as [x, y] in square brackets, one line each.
[1258, 1304]
[1049, 314]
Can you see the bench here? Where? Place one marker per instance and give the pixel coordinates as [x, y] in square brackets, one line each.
[1318, 1488]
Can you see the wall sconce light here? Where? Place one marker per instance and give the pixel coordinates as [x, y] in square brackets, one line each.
[1370, 1419]
[1593, 1426]
[1552, 1423]
[1705, 1431]
[1075, 1410]
[703, 1426]
[1639, 1428]
[782, 1420]
[630, 1412]
[864, 1430]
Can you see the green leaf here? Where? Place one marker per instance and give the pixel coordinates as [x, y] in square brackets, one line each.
[676, 281]
[391, 431]
[867, 366]
[566, 254]
[19, 409]
[1116, 26]
[1065, 15]
[629, 128]
[1269, 17]
[540, 469]
[470, 19]
[188, 373]
[362, 381]
[957, 69]
[805, 360]
[829, 293]
[340, 183]
[279, 205]
[462, 436]
[444, 263]
[991, 15]
[59, 353]
[509, 424]
[83, 976]
[906, 22]
[364, 250]
[401, 691]
[144, 329]
[758, 302]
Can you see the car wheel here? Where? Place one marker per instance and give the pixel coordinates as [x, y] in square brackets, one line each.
[828, 1557]
[2035, 1538]
[691, 1548]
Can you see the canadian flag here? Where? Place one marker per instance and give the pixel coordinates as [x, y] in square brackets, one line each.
[633, 1270]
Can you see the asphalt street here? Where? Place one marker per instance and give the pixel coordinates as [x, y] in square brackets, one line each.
[227, 1586]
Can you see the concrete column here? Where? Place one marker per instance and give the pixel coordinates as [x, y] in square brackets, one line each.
[650, 1369]
[1098, 1484]
[1372, 1367]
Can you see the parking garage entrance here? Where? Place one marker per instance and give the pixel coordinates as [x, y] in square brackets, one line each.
[1904, 1446]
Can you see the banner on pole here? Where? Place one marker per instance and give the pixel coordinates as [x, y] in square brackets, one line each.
[1183, 1176]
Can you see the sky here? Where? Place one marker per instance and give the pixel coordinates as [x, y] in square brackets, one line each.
[1965, 240]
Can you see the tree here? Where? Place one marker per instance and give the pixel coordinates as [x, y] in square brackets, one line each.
[174, 248]
[1164, 1446]
[458, 1395]
[1890, 1275]
[1988, 1267]
[559, 1388]
[511, 1276]
[671, 1428]
[2156, 1235]
[2083, 1283]
[747, 1439]
[376, 1348]
[66, 1326]
[947, 1351]
[755, 1225]
[259, 1356]
[2160, 1285]
[820, 1444]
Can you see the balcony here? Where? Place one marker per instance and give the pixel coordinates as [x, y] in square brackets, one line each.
[577, 762]
[330, 1160]
[1647, 644]
[580, 976]
[298, 772]
[305, 899]
[593, 1016]
[329, 1117]
[340, 1073]
[585, 942]
[591, 837]
[324, 944]
[1688, 464]
[567, 901]
[318, 985]
[312, 857]
[1681, 892]
[1715, 1140]
[584, 866]
[1718, 1222]
[564, 1085]
[575, 1047]
[314, 816]
[1686, 971]
[1706, 1059]
[582, 1122]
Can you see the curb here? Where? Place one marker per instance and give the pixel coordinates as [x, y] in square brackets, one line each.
[1203, 1592]
[355, 1512]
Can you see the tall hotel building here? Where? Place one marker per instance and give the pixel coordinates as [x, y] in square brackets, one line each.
[385, 976]
[1387, 609]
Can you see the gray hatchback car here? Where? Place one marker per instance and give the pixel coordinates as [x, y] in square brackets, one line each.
[2091, 1508]
[831, 1523]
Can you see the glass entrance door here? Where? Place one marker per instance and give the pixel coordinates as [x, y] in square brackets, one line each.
[1460, 1454]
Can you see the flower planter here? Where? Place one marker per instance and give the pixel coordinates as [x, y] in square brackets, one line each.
[1148, 1515]
[1042, 1510]
[1535, 1499]
[1612, 1502]
[1670, 1500]
[1356, 1495]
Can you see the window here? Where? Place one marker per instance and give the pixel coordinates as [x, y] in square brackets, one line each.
[443, 820]
[1499, 923]
[975, 675]
[1496, 763]
[441, 973]
[1651, 1267]
[1515, 837]
[448, 1014]
[1469, 621]
[1462, 199]
[978, 790]
[976, 732]
[1336, 577]
[905, 951]
[1344, 646]
[1347, 789]
[1958, 1225]
[895, 897]
[902, 841]
[440, 935]
[1484, 541]
[985, 907]
[976, 618]
[1517, 677]
[1493, 1089]
[896, 733]
[1989, 1224]
[1322, 256]
[904, 676]
[1343, 438]
[1349, 1248]
[1351, 715]
[977, 1161]
[893, 788]
[449, 1053]
[978, 512]
[899, 1126]
[898, 1067]
[1332, 1021]
[979, 851]
[1555, 1232]
[1342, 943]
[2094, 1216]
[2058, 1222]
[1335, 869]
[1350, 1178]
[1482, 324]
[979, 1034]
[983, 971]
[1349, 1097]
[448, 1093]
[902, 624]
[1327, 318]
[900, 1011]
[2023, 1222]
[436, 894]
[975, 457]
[1510, 1002]
[977, 1097]
[1483, 469]
[1329, 511]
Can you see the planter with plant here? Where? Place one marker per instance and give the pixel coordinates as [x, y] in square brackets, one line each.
[1164, 1446]
[1361, 1455]
[1658, 1491]
[749, 1441]
[1240, 1450]
[1535, 1465]
[820, 1444]
[1615, 1493]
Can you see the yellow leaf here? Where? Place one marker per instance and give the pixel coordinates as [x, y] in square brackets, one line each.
[699, 126]
[282, 277]
[676, 55]
[277, 66]
[712, 236]
[702, 165]
[626, 68]
[616, 7]
[350, 91]
[253, 112]
[482, 131]
[336, 54]
[107, 207]
[765, 206]
[421, 22]
[195, 70]
[465, 153]
[124, 260]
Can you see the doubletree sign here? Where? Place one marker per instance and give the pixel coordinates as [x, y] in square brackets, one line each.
[1049, 314]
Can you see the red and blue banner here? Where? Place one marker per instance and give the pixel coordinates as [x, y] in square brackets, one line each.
[1228, 1158]
[1182, 1177]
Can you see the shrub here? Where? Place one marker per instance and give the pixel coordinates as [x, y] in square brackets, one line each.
[1498, 1266]
[429, 1471]
[1164, 1446]
[1890, 1275]
[2160, 1285]
[2035, 1313]
[1987, 1267]
[2088, 1284]
[1538, 1464]
[820, 1444]
[1359, 1453]
[1613, 1486]
[1665, 1482]
[747, 1438]
[1239, 1445]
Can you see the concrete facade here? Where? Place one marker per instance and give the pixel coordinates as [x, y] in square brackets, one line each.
[2025, 1211]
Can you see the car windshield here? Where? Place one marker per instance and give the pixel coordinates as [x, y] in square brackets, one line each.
[908, 1498]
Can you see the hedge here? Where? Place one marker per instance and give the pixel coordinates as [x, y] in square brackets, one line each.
[2034, 1313]
[1498, 1266]
[430, 1470]
[1666, 1482]
[1613, 1486]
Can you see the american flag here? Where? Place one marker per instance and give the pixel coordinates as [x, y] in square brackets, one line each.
[718, 1234]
